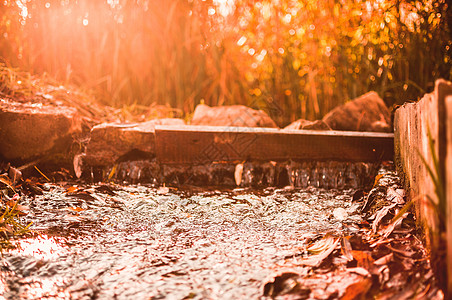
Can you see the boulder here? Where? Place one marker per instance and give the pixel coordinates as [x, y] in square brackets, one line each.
[308, 125]
[111, 142]
[30, 131]
[233, 115]
[366, 113]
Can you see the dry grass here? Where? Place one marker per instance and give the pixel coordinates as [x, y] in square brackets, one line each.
[10, 224]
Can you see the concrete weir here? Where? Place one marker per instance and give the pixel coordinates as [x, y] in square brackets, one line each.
[206, 144]
[170, 153]
[423, 154]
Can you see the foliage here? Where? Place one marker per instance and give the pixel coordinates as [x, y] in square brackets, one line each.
[323, 53]
[292, 58]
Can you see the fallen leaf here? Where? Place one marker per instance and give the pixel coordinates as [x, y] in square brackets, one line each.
[357, 289]
[380, 242]
[6, 181]
[359, 271]
[72, 189]
[380, 215]
[423, 294]
[323, 249]
[281, 284]
[346, 248]
[106, 189]
[77, 209]
[406, 253]
[320, 245]
[374, 194]
[377, 179]
[397, 220]
[84, 195]
[363, 258]
[394, 196]
[32, 187]
[390, 228]
[384, 260]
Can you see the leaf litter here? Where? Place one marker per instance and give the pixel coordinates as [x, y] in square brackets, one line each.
[384, 259]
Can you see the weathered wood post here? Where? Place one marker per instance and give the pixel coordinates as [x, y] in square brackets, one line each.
[448, 182]
[418, 128]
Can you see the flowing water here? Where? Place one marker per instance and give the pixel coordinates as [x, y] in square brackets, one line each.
[143, 242]
[301, 174]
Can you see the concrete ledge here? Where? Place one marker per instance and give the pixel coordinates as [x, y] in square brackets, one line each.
[206, 144]
[109, 142]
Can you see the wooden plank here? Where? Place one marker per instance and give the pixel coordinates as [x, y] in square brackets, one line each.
[205, 144]
[413, 123]
[448, 181]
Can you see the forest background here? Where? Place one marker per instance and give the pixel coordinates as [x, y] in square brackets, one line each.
[293, 59]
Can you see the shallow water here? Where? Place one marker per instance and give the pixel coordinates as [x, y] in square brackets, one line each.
[119, 242]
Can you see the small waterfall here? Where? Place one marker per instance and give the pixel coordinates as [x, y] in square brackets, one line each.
[299, 174]
[329, 175]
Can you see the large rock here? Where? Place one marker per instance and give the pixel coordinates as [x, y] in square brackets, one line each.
[308, 125]
[36, 131]
[233, 115]
[110, 142]
[366, 113]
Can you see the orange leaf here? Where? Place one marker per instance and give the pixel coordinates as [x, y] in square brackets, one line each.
[377, 178]
[357, 289]
[77, 209]
[72, 189]
[363, 258]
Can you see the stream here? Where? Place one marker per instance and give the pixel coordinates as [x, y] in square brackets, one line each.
[109, 241]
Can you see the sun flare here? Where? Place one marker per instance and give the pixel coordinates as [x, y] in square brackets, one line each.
[42, 247]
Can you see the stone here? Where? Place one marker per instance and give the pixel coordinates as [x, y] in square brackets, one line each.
[110, 142]
[233, 115]
[308, 125]
[366, 113]
[31, 131]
